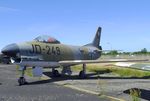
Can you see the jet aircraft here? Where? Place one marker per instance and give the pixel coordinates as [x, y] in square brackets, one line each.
[46, 51]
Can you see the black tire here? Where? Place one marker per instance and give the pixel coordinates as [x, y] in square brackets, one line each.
[21, 81]
[82, 75]
[56, 73]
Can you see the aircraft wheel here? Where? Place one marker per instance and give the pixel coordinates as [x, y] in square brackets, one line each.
[82, 75]
[56, 73]
[22, 81]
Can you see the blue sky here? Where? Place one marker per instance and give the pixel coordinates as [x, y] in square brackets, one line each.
[125, 23]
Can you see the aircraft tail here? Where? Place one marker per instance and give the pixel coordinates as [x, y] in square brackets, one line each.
[96, 41]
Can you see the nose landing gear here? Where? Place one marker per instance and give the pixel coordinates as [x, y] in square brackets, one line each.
[22, 80]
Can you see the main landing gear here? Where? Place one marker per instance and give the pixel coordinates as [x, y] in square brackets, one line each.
[22, 80]
[55, 73]
[66, 70]
[82, 74]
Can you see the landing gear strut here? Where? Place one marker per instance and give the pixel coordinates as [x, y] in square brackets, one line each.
[82, 74]
[22, 80]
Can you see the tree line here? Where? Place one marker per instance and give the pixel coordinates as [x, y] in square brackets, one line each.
[143, 51]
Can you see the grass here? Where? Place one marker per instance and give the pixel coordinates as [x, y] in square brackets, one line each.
[135, 94]
[100, 69]
[122, 72]
[101, 85]
[28, 71]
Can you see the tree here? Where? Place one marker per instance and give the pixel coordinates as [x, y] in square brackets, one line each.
[144, 50]
[113, 52]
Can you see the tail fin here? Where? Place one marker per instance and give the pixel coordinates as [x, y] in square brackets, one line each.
[96, 41]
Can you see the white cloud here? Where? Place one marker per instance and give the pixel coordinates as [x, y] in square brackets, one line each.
[8, 9]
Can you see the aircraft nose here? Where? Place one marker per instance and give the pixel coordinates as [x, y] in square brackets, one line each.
[10, 50]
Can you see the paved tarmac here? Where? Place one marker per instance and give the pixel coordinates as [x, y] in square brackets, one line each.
[37, 91]
[112, 87]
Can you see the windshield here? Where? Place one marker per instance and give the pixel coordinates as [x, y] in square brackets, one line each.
[46, 39]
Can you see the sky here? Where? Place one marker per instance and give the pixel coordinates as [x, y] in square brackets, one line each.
[125, 23]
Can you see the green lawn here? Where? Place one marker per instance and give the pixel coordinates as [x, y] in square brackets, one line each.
[123, 72]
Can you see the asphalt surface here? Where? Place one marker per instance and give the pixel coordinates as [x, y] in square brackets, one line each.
[37, 91]
[114, 87]
[61, 89]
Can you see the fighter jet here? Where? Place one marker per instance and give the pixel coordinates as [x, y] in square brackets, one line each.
[46, 51]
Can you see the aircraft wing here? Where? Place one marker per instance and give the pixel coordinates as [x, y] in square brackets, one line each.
[74, 62]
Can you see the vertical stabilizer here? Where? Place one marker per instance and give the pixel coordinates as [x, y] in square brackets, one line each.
[96, 41]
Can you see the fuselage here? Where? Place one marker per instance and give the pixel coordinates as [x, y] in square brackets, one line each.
[58, 52]
[47, 50]
[35, 53]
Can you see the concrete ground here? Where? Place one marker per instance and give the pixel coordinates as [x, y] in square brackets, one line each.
[117, 88]
[44, 90]
[107, 87]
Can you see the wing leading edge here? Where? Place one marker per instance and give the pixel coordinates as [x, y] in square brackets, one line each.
[75, 62]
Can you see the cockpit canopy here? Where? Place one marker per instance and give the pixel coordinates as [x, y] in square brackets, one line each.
[46, 39]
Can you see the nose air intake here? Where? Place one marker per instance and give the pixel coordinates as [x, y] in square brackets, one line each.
[10, 50]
